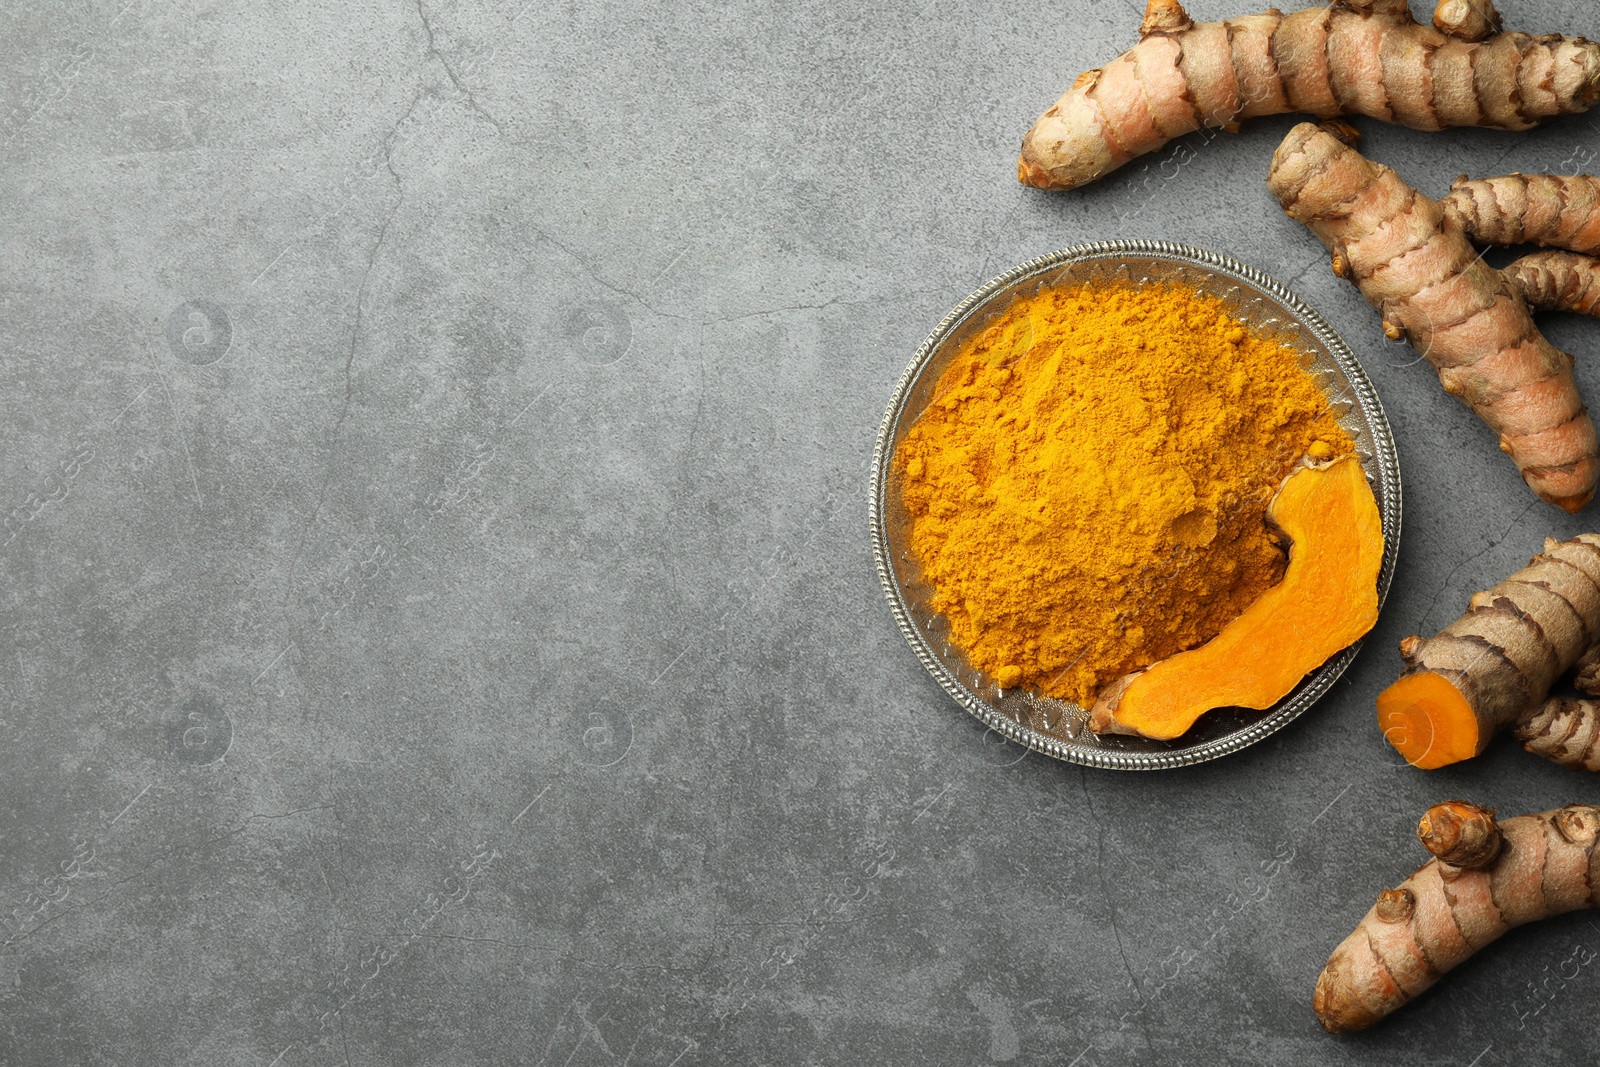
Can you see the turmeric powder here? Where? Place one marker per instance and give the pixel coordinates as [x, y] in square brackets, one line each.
[1088, 486]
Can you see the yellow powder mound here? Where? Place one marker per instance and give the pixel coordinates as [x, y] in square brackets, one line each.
[1089, 487]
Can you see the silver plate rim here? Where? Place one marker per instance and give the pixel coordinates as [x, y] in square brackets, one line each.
[1389, 505]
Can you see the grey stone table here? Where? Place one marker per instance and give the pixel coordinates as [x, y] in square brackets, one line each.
[440, 622]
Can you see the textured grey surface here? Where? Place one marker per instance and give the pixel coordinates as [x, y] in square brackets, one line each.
[441, 626]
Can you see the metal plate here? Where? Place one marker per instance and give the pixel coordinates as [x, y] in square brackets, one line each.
[1056, 727]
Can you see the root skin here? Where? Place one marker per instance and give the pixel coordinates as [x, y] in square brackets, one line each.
[1565, 730]
[1558, 281]
[1470, 20]
[1460, 834]
[1586, 676]
[1557, 211]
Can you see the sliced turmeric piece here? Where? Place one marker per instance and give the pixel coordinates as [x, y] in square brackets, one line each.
[1328, 598]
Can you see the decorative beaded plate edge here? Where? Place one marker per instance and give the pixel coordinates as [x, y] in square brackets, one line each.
[1066, 739]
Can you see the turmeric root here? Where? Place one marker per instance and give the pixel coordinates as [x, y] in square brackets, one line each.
[1484, 671]
[1355, 57]
[1485, 878]
[1564, 729]
[1567, 729]
[1557, 281]
[1411, 259]
[1545, 209]
[1586, 676]
[1328, 599]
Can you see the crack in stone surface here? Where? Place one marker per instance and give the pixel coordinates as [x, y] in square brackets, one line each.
[433, 50]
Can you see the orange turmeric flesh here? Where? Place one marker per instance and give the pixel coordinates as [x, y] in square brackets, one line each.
[1328, 598]
[1429, 722]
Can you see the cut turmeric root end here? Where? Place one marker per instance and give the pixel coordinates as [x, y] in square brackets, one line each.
[1429, 722]
[1493, 668]
[1327, 600]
